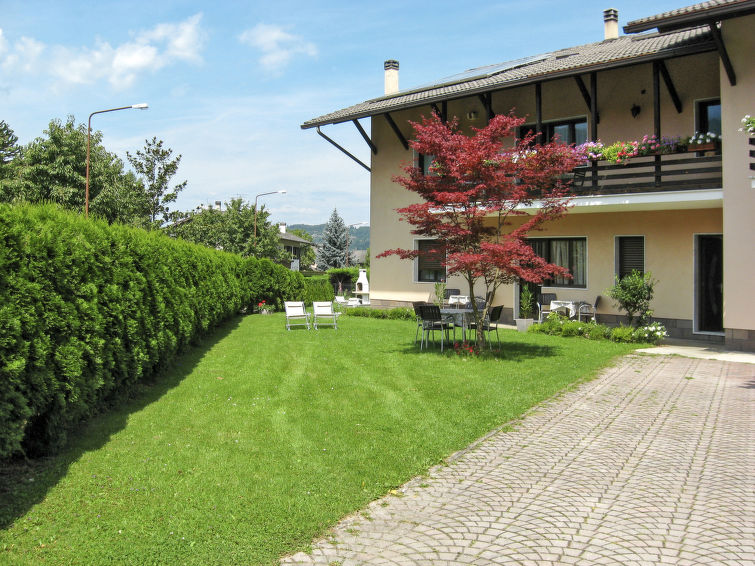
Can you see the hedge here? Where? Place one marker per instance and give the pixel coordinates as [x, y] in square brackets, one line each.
[88, 309]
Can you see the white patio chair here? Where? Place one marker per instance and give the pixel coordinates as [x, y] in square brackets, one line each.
[324, 314]
[588, 310]
[296, 314]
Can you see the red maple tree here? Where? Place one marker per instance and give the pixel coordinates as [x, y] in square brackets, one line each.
[474, 188]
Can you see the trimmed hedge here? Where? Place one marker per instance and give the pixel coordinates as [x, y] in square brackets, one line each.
[397, 313]
[88, 309]
[318, 288]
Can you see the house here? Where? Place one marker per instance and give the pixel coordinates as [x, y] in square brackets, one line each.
[292, 246]
[687, 218]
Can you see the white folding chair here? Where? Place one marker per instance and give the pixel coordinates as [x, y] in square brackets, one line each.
[324, 314]
[296, 314]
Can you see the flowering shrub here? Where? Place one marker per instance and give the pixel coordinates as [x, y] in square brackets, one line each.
[591, 151]
[558, 325]
[623, 151]
[262, 307]
[653, 333]
[748, 125]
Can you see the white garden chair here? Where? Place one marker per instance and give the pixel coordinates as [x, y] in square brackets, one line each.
[296, 314]
[324, 314]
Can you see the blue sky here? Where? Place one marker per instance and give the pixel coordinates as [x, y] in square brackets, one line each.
[230, 82]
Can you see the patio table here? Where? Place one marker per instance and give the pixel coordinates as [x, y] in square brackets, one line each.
[459, 316]
[572, 307]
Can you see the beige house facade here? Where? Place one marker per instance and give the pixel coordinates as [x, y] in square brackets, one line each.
[688, 218]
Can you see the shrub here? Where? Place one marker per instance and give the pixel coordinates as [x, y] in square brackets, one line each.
[87, 310]
[652, 333]
[399, 313]
[622, 334]
[272, 283]
[633, 294]
[317, 289]
[526, 302]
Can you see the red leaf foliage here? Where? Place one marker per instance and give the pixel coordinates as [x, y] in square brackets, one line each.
[475, 186]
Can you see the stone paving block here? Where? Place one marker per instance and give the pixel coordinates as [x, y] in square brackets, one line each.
[639, 466]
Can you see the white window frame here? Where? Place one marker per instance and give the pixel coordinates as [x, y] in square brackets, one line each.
[416, 262]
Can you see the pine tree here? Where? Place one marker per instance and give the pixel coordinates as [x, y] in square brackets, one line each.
[9, 148]
[335, 244]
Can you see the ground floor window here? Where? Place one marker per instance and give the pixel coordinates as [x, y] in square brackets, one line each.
[630, 255]
[429, 267]
[570, 253]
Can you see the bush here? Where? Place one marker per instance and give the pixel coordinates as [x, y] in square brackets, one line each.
[318, 289]
[633, 294]
[398, 313]
[558, 325]
[87, 310]
[272, 283]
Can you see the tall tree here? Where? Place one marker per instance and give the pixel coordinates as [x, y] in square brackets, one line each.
[473, 190]
[9, 148]
[231, 229]
[52, 168]
[156, 168]
[334, 248]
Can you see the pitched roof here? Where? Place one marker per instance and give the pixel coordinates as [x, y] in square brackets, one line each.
[289, 237]
[693, 15]
[625, 50]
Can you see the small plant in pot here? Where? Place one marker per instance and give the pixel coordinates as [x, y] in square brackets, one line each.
[526, 308]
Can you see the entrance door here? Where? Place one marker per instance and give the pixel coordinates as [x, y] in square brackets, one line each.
[709, 306]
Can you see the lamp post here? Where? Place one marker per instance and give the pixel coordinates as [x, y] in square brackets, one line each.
[348, 237]
[282, 192]
[142, 106]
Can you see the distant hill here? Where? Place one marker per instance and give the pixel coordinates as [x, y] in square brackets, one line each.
[360, 237]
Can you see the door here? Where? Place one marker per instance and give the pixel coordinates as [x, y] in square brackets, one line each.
[709, 270]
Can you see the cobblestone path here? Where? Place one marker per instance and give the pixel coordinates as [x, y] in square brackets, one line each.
[651, 463]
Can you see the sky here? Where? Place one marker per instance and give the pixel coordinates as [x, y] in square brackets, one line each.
[229, 83]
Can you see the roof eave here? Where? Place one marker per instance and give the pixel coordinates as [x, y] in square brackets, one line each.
[681, 21]
[665, 54]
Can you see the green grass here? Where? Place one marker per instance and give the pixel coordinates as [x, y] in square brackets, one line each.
[261, 439]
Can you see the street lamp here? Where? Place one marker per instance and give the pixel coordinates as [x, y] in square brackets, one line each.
[141, 106]
[348, 237]
[282, 192]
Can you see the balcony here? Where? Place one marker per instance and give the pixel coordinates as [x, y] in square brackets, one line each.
[668, 172]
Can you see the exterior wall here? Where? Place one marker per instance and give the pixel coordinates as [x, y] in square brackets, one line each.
[669, 243]
[739, 196]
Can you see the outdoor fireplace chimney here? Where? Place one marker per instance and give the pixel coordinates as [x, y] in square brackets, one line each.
[610, 23]
[391, 76]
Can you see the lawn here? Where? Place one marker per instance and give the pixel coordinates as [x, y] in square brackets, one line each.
[259, 440]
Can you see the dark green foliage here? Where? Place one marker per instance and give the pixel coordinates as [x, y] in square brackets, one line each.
[334, 250]
[272, 283]
[398, 313]
[87, 310]
[318, 288]
[345, 276]
[633, 294]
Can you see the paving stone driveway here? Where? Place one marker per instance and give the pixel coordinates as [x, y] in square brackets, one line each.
[652, 463]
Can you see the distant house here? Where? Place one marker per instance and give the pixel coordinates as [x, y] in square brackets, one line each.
[687, 218]
[292, 245]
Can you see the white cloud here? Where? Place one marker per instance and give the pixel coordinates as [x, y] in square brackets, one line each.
[148, 51]
[278, 46]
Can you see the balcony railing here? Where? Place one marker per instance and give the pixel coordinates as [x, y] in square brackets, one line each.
[669, 172]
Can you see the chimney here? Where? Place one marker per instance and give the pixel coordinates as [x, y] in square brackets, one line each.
[217, 204]
[610, 24]
[282, 227]
[391, 76]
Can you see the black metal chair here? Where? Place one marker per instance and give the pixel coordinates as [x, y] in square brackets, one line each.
[432, 320]
[490, 323]
[588, 310]
[544, 305]
[418, 315]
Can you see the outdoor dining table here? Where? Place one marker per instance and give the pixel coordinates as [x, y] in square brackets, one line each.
[571, 307]
[460, 317]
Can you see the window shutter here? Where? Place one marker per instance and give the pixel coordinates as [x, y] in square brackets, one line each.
[425, 261]
[631, 255]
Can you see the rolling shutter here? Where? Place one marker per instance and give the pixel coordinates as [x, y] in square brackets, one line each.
[631, 255]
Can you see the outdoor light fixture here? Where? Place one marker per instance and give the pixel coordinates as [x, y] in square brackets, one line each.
[281, 192]
[140, 106]
[635, 110]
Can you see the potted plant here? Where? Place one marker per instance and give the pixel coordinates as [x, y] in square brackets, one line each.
[703, 142]
[526, 308]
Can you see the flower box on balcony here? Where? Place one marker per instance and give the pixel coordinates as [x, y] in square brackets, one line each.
[710, 146]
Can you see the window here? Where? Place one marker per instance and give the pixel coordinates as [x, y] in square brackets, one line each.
[709, 116]
[424, 162]
[630, 255]
[429, 268]
[570, 253]
[568, 131]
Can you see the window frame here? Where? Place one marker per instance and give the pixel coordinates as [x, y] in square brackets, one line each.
[570, 284]
[550, 125]
[701, 114]
[418, 267]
